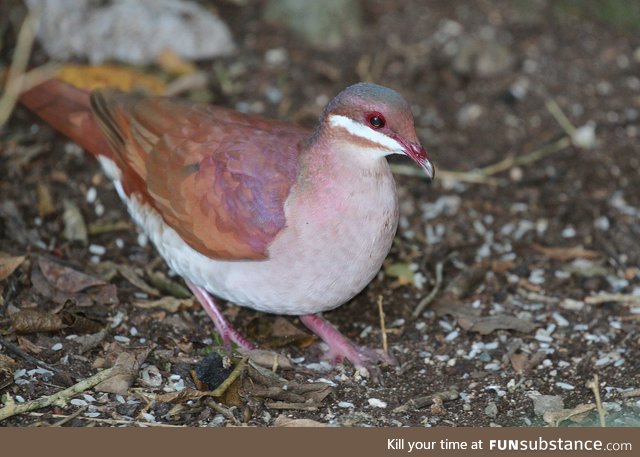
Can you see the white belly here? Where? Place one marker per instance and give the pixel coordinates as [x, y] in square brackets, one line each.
[320, 260]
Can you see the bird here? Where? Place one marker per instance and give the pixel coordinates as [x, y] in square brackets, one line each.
[259, 212]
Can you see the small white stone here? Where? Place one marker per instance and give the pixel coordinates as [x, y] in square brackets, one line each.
[119, 243]
[97, 249]
[346, 404]
[56, 347]
[585, 136]
[559, 318]
[568, 232]
[377, 403]
[122, 339]
[92, 194]
[565, 385]
[78, 402]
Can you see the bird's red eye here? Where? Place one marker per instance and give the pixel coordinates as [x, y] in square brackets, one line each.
[376, 120]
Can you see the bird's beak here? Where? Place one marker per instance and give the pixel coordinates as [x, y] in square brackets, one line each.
[419, 156]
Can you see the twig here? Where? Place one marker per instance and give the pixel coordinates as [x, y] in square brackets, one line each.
[484, 175]
[70, 417]
[222, 388]
[11, 408]
[383, 329]
[20, 60]
[631, 394]
[605, 297]
[594, 384]
[557, 113]
[429, 298]
[109, 421]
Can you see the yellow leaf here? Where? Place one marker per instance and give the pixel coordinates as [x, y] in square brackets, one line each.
[97, 76]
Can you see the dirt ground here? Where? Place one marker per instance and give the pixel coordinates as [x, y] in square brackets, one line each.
[535, 264]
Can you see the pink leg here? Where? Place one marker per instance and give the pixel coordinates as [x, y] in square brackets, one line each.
[340, 347]
[224, 328]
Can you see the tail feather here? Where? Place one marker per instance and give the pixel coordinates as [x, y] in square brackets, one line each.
[67, 109]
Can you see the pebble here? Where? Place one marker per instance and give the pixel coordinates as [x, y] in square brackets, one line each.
[572, 305]
[276, 56]
[345, 404]
[560, 319]
[452, 335]
[78, 402]
[377, 403]
[56, 347]
[568, 232]
[97, 249]
[92, 194]
[122, 339]
[565, 385]
[491, 410]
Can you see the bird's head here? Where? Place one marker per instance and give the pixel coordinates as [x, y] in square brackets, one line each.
[376, 119]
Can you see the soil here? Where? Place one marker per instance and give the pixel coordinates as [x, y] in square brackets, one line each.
[525, 255]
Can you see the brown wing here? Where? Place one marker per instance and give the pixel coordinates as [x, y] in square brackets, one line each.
[217, 177]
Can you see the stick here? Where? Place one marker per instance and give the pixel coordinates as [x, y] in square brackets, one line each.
[595, 388]
[11, 408]
[383, 329]
[429, 298]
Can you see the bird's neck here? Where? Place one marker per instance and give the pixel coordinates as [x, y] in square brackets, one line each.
[335, 174]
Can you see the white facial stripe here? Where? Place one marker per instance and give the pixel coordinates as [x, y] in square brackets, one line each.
[357, 129]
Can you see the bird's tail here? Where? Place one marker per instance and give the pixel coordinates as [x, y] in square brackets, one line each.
[66, 108]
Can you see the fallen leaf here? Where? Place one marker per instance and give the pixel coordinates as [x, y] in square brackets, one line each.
[125, 371]
[45, 200]
[172, 63]
[96, 76]
[164, 284]
[35, 321]
[75, 228]
[169, 304]
[66, 279]
[9, 264]
[402, 271]
[268, 359]
[564, 254]
[284, 421]
[543, 404]
[577, 414]
[131, 275]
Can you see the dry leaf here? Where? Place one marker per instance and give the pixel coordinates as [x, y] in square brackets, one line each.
[125, 371]
[9, 264]
[96, 76]
[34, 321]
[402, 271]
[284, 421]
[66, 279]
[75, 228]
[45, 201]
[169, 304]
[131, 275]
[577, 414]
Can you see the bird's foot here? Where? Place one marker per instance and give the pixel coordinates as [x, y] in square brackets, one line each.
[340, 347]
[223, 326]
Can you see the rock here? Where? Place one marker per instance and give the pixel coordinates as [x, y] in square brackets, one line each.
[133, 31]
[324, 24]
[483, 57]
[545, 403]
[491, 410]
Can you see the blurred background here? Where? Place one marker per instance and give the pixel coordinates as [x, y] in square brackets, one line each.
[530, 110]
